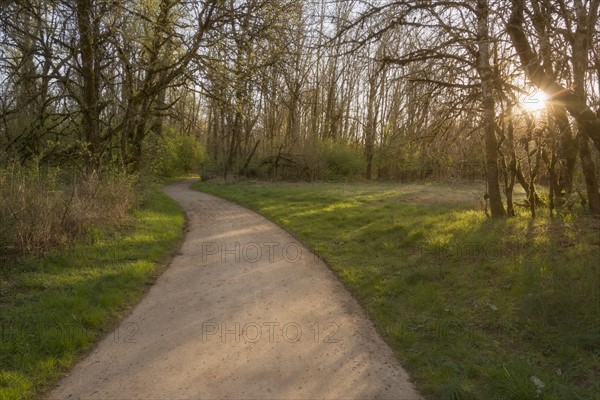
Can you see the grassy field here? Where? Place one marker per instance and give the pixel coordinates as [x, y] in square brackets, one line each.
[55, 307]
[474, 308]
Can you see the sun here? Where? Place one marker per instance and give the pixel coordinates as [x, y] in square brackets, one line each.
[535, 101]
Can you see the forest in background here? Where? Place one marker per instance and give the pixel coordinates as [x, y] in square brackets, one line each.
[95, 94]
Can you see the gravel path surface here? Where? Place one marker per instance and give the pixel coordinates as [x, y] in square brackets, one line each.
[244, 311]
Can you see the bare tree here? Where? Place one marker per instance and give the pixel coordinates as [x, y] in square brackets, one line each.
[574, 101]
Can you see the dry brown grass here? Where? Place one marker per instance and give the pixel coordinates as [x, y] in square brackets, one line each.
[40, 209]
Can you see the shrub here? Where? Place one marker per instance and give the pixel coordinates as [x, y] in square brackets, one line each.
[341, 160]
[176, 155]
[42, 208]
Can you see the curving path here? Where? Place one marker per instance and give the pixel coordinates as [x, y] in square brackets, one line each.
[243, 312]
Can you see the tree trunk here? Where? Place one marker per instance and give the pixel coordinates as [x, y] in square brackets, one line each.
[589, 172]
[158, 108]
[371, 124]
[580, 46]
[511, 168]
[88, 42]
[567, 151]
[489, 116]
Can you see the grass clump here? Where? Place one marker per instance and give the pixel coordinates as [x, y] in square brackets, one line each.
[474, 308]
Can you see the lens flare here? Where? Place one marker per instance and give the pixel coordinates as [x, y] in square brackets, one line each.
[535, 101]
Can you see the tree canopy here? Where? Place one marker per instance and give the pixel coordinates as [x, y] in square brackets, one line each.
[289, 89]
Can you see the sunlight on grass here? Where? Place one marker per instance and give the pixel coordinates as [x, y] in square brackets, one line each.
[474, 308]
[57, 306]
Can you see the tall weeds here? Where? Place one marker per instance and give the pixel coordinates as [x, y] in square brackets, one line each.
[42, 208]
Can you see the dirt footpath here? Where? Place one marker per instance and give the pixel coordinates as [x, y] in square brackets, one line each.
[243, 312]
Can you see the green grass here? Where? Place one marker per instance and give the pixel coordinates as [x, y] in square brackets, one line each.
[55, 307]
[474, 308]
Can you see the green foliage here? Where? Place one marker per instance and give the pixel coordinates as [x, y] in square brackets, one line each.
[257, 169]
[474, 308]
[56, 306]
[341, 160]
[176, 155]
[401, 162]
